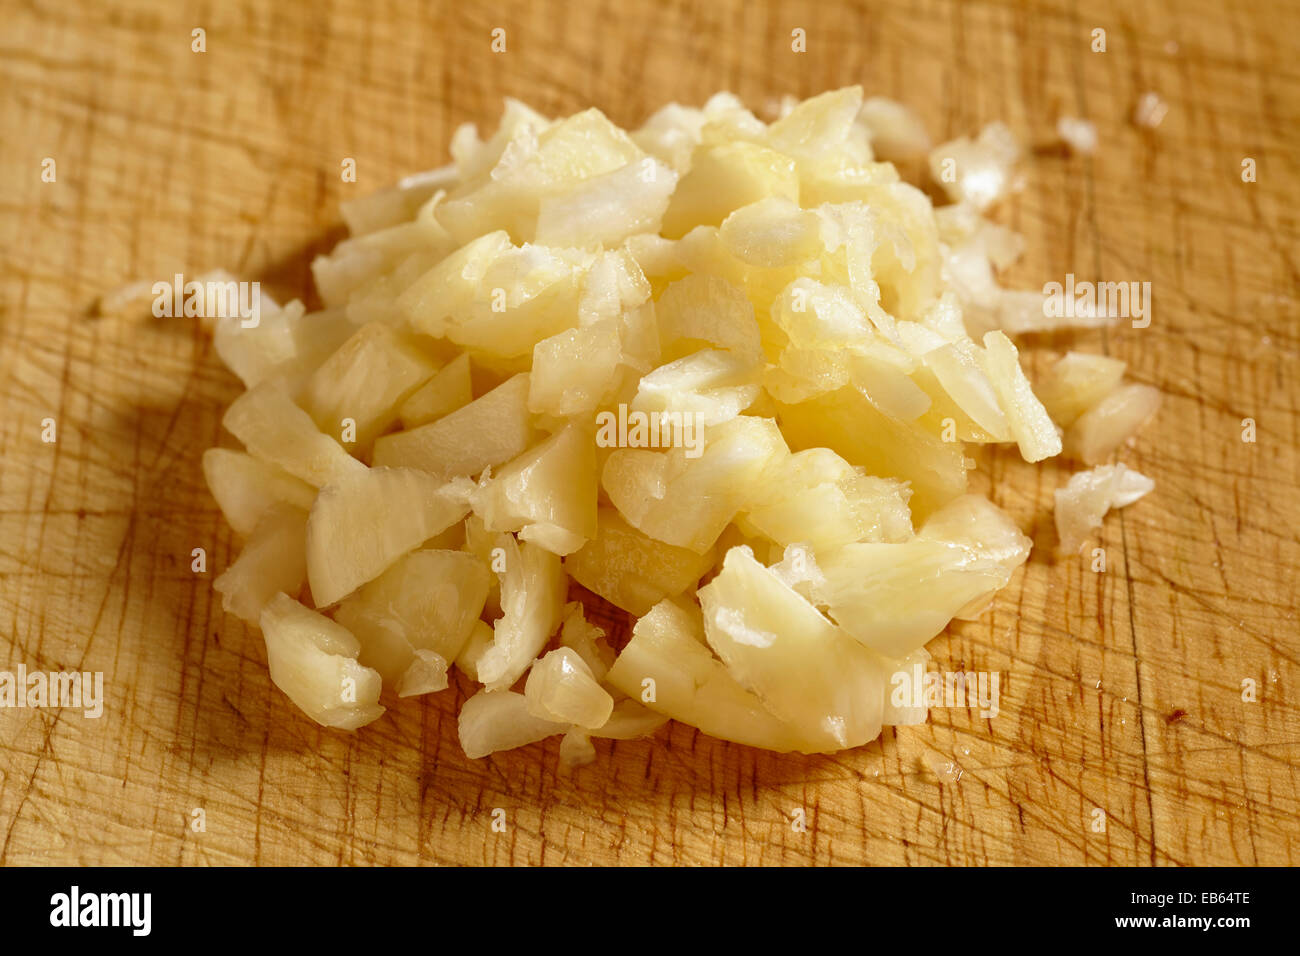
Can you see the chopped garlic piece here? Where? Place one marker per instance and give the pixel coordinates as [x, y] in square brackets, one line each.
[1076, 383]
[314, 661]
[979, 171]
[896, 133]
[1085, 499]
[1150, 110]
[561, 687]
[494, 720]
[426, 674]
[1079, 134]
[1099, 431]
[576, 750]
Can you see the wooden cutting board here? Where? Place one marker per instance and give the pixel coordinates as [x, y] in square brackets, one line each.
[1122, 691]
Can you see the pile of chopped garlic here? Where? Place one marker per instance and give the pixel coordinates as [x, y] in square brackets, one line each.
[720, 373]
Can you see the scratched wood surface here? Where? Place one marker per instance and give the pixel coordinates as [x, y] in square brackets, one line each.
[1122, 691]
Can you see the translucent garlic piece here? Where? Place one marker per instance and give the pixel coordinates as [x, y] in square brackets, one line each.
[1030, 424]
[648, 487]
[586, 639]
[668, 667]
[771, 233]
[428, 600]
[494, 720]
[364, 383]
[798, 570]
[979, 171]
[273, 560]
[532, 599]
[561, 687]
[447, 390]
[708, 309]
[1078, 134]
[895, 597]
[896, 133]
[724, 177]
[605, 210]
[276, 430]
[1083, 502]
[1099, 431]
[705, 388]
[1150, 110]
[576, 750]
[480, 639]
[806, 670]
[816, 498]
[313, 660]
[1076, 383]
[630, 720]
[632, 570]
[547, 494]
[246, 489]
[903, 706]
[362, 524]
[489, 431]
[389, 207]
[425, 674]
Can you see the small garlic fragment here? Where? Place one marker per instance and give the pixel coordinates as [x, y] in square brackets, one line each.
[1150, 110]
[946, 769]
[561, 687]
[1078, 134]
[1084, 501]
[576, 749]
[425, 675]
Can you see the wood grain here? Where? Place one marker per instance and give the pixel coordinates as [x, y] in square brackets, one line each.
[1121, 690]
